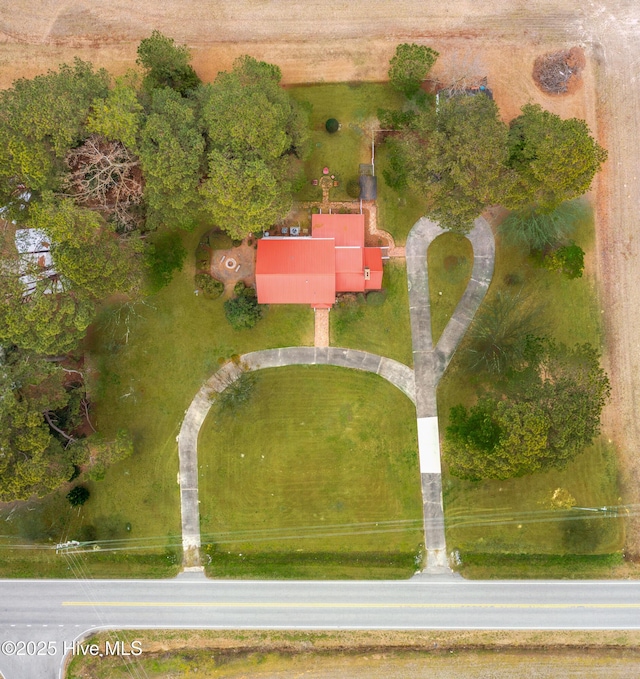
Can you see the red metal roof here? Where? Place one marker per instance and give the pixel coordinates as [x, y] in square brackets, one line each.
[346, 229]
[349, 269]
[373, 260]
[296, 271]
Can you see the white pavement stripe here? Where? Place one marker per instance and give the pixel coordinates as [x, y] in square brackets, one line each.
[429, 445]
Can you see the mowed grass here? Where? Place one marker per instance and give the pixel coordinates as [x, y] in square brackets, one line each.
[316, 476]
[398, 211]
[143, 382]
[384, 329]
[449, 264]
[354, 106]
[515, 516]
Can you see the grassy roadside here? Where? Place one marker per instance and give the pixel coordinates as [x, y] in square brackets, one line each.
[321, 480]
[498, 518]
[211, 654]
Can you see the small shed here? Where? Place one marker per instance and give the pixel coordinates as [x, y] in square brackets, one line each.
[368, 187]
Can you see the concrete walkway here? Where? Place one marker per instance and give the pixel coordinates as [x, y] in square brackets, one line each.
[394, 372]
[430, 362]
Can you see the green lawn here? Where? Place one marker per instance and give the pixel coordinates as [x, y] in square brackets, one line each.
[383, 329]
[342, 152]
[321, 479]
[515, 516]
[450, 260]
[176, 341]
[397, 211]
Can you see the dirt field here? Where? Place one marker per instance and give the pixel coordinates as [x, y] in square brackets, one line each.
[353, 40]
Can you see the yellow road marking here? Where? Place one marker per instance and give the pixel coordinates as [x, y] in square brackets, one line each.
[218, 604]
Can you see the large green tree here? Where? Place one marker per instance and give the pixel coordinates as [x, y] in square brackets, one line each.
[410, 66]
[166, 64]
[257, 134]
[41, 119]
[33, 460]
[172, 155]
[457, 159]
[118, 116]
[545, 419]
[554, 159]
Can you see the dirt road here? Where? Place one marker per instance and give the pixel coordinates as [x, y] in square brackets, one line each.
[353, 40]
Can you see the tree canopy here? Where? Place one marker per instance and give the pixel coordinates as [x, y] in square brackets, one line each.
[119, 116]
[554, 159]
[549, 415]
[410, 66]
[166, 64]
[171, 154]
[42, 118]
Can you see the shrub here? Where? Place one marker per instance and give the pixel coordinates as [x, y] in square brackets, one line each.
[567, 260]
[78, 496]
[211, 287]
[243, 311]
[203, 257]
[376, 297]
[353, 188]
[165, 256]
[332, 125]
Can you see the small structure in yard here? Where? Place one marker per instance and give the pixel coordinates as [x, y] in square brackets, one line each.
[311, 270]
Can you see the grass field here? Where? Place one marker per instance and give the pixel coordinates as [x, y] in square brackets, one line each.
[515, 516]
[353, 105]
[449, 263]
[383, 329]
[321, 479]
[176, 341]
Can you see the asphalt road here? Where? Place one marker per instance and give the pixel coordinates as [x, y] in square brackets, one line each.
[63, 610]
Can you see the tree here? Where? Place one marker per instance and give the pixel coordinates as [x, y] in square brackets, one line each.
[554, 159]
[410, 66]
[35, 457]
[119, 116]
[105, 453]
[502, 332]
[78, 495]
[166, 64]
[257, 136]
[171, 154]
[105, 175]
[459, 163]
[243, 310]
[242, 196]
[42, 118]
[165, 255]
[533, 229]
[550, 413]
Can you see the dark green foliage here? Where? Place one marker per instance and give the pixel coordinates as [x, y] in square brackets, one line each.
[501, 333]
[376, 297]
[166, 64]
[392, 119]
[567, 260]
[236, 393]
[41, 119]
[554, 159]
[396, 173]
[172, 159]
[165, 255]
[78, 496]
[550, 413]
[257, 135]
[332, 125]
[211, 287]
[533, 229]
[410, 66]
[243, 311]
[353, 188]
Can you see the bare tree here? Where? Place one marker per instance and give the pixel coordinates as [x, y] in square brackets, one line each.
[459, 71]
[106, 176]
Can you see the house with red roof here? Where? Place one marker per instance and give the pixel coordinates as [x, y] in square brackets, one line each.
[312, 269]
